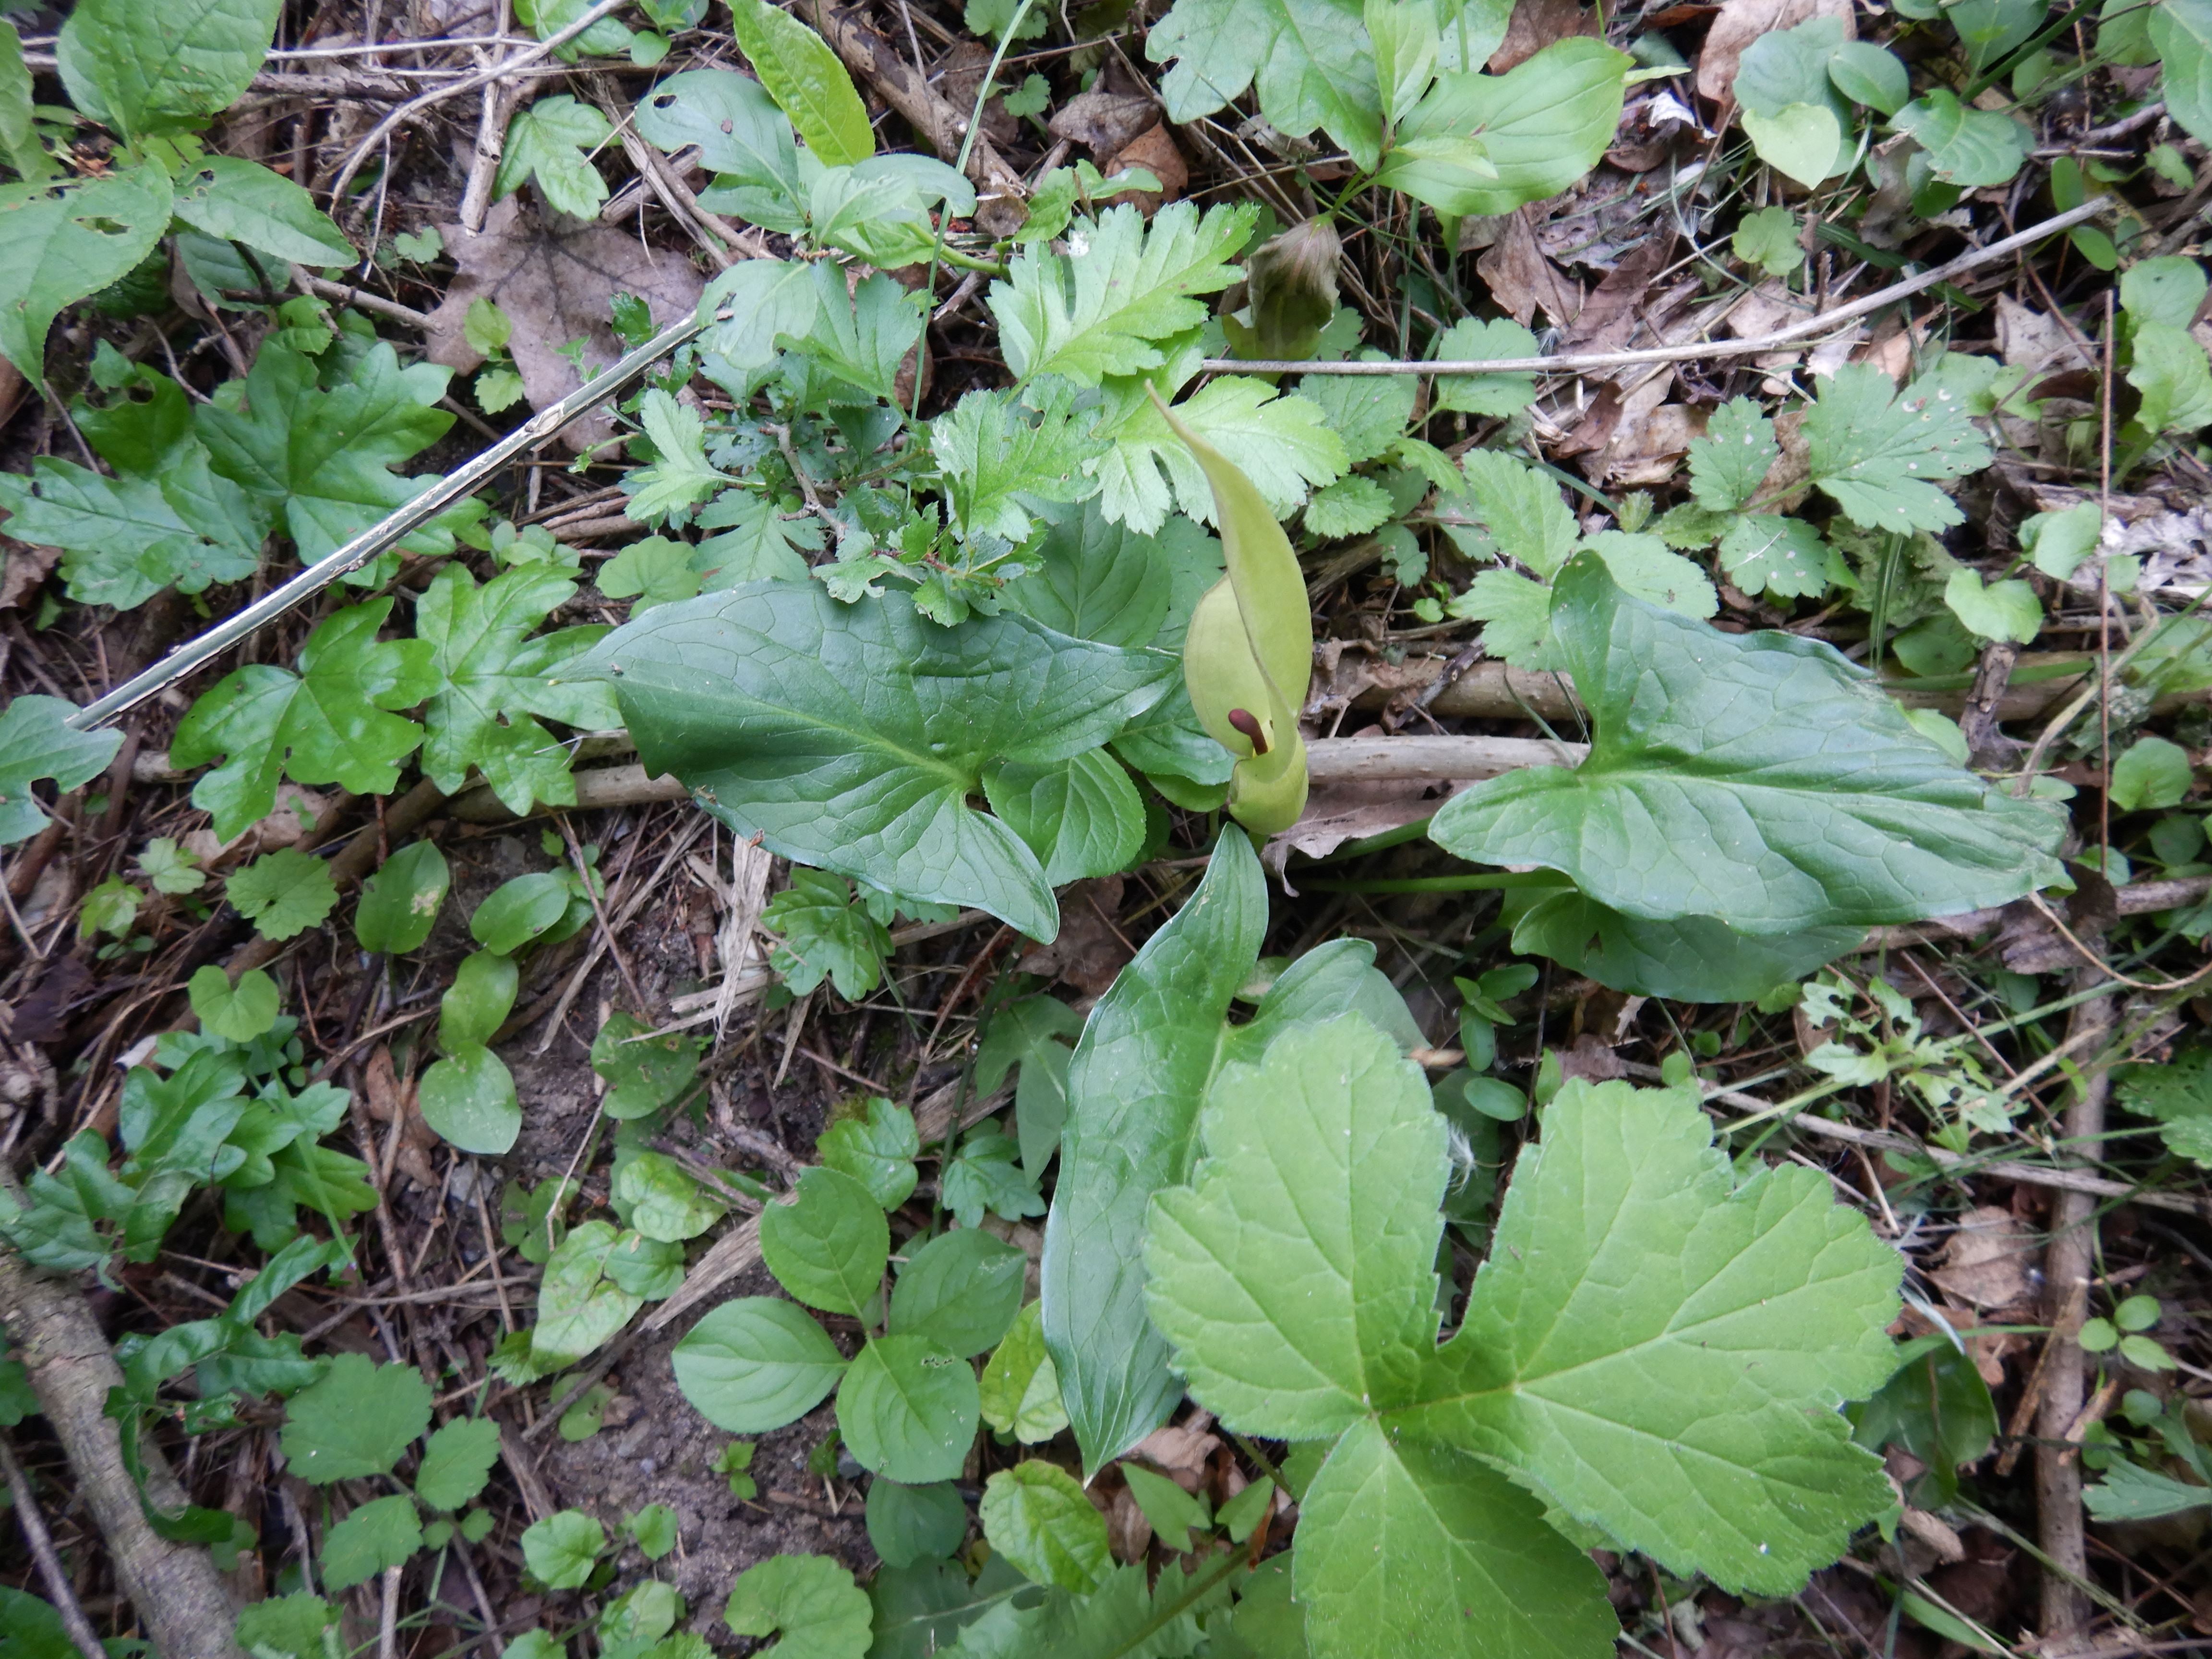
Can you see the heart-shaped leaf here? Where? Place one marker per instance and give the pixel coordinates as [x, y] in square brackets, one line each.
[1803, 142]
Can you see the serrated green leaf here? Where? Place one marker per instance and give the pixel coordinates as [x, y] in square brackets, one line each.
[1879, 454]
[907, 1410]
[283, 893]
[380, 1534]
[326, 724]
[457, 1461]
[755, 542]
[492, 679]
[2180, 32]
[827, 933]
[829, 1245]
[1020, 1385]
[1471, 341]
[550, 142]
[809, 1601]
[1598, 1359]
[1705, 800]
[2170, 371]
[37, 742]
[863, 338]
[19, 142]
[1369, 412]
[1281, 443]
[154, 68]
[288, 1624]
[1542, 125]
[1461, 1562]
[61, 242]
[1969, 146]
[755, 1363]
[1310, 60]
[985, 1176]
[243, 201]
[1769, 240]
[1350, 507]
[805, 79]
[356, 1421]
[1035, 1514]
[1003, 460]
[1309, 1231]
[1520, 507]
[851, 737]
[1516, 614]
[961, 1290]
[1765, 553]
[1098, 310]
[1645, 567]
[679, 477]
[2178, 1095]
[561, 1550]
[1728, 464]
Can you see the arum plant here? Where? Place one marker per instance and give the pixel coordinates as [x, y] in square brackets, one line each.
[1250, 645]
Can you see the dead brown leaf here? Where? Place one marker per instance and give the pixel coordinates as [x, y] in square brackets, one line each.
[2041, 344]
[25, 570]
[1740, 22]
[1985, 1261]
[1522, 279]
[1153, 150]
[1337, 813]
[1614, 314]
[1588, 1058]
[390, 1101]
[1179, 1452]
[1103, 122]
[960, 75]
[557, 286]
[1128, 1532]
[1537, 24]
[1089, 950]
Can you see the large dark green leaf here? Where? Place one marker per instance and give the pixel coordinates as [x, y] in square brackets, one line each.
[851, 737]
[1148, 1053]
[1694, 959]
[1761, 780]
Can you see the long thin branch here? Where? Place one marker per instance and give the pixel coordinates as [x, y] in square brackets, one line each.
[1796, 334]
[51, 1573]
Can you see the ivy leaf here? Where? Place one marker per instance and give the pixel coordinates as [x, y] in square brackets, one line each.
[1310, 59]
[1465, 1544]
[1542, 126]
[561, 1550]
[877, 1150]
[356, 1421]
[457, 1461]
[1969, 146]
[36, 741]
[1332, 1303]
[1597, 1360]
[1728, 464]
[380, 1534]
[1035, 1514]
[1283, 443]
[850, 737]
[1097, 310]
[678, 479]
[811, 1601]
[326, 724]
[59, 243]
[826, 933]
[805, 79]
[985, 1175]
[1702, 801]
[755, 1363]
[165, 517]
[1002, 460]
[283, 893]
[491, 679]
[550, 140]
[1878, 453]
[321, 456]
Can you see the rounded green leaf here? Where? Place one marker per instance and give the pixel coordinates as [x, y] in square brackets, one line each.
[2138, 1313]
[907, 1410]
[755, 1363]
[1020, 1391]
[479, 999]
[561, 1550]
[644, 1072]
[1867, 74]
[1035, 1514]
[908, 1524]
[457, 1461]
[2152, 774]
[469, 1098]
[579, 1304]
[830, 1245]
[400, 903]
[238, 1013]
[810, 1599]
[518, 911]
[1965, 146]
[962, 1292]
[1544, 124]
[877, 1150]
[1803, 141]
[664, 1201]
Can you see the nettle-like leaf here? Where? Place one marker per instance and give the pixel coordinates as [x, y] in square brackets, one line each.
[1653, 1349]
[165, 517]
[2178, 1095]
[60, 242]
[851, 737]
[1002, 460]
[155, 68]
[329, 723]
[1879, 454]
[1539, 128]
[1149, 1052]
[37, 741]
[1122, 286]
[1760, 780]
[1281, 442]
[492, 679]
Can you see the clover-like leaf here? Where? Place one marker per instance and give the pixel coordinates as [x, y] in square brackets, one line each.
[1760, 780]
[851, 737]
